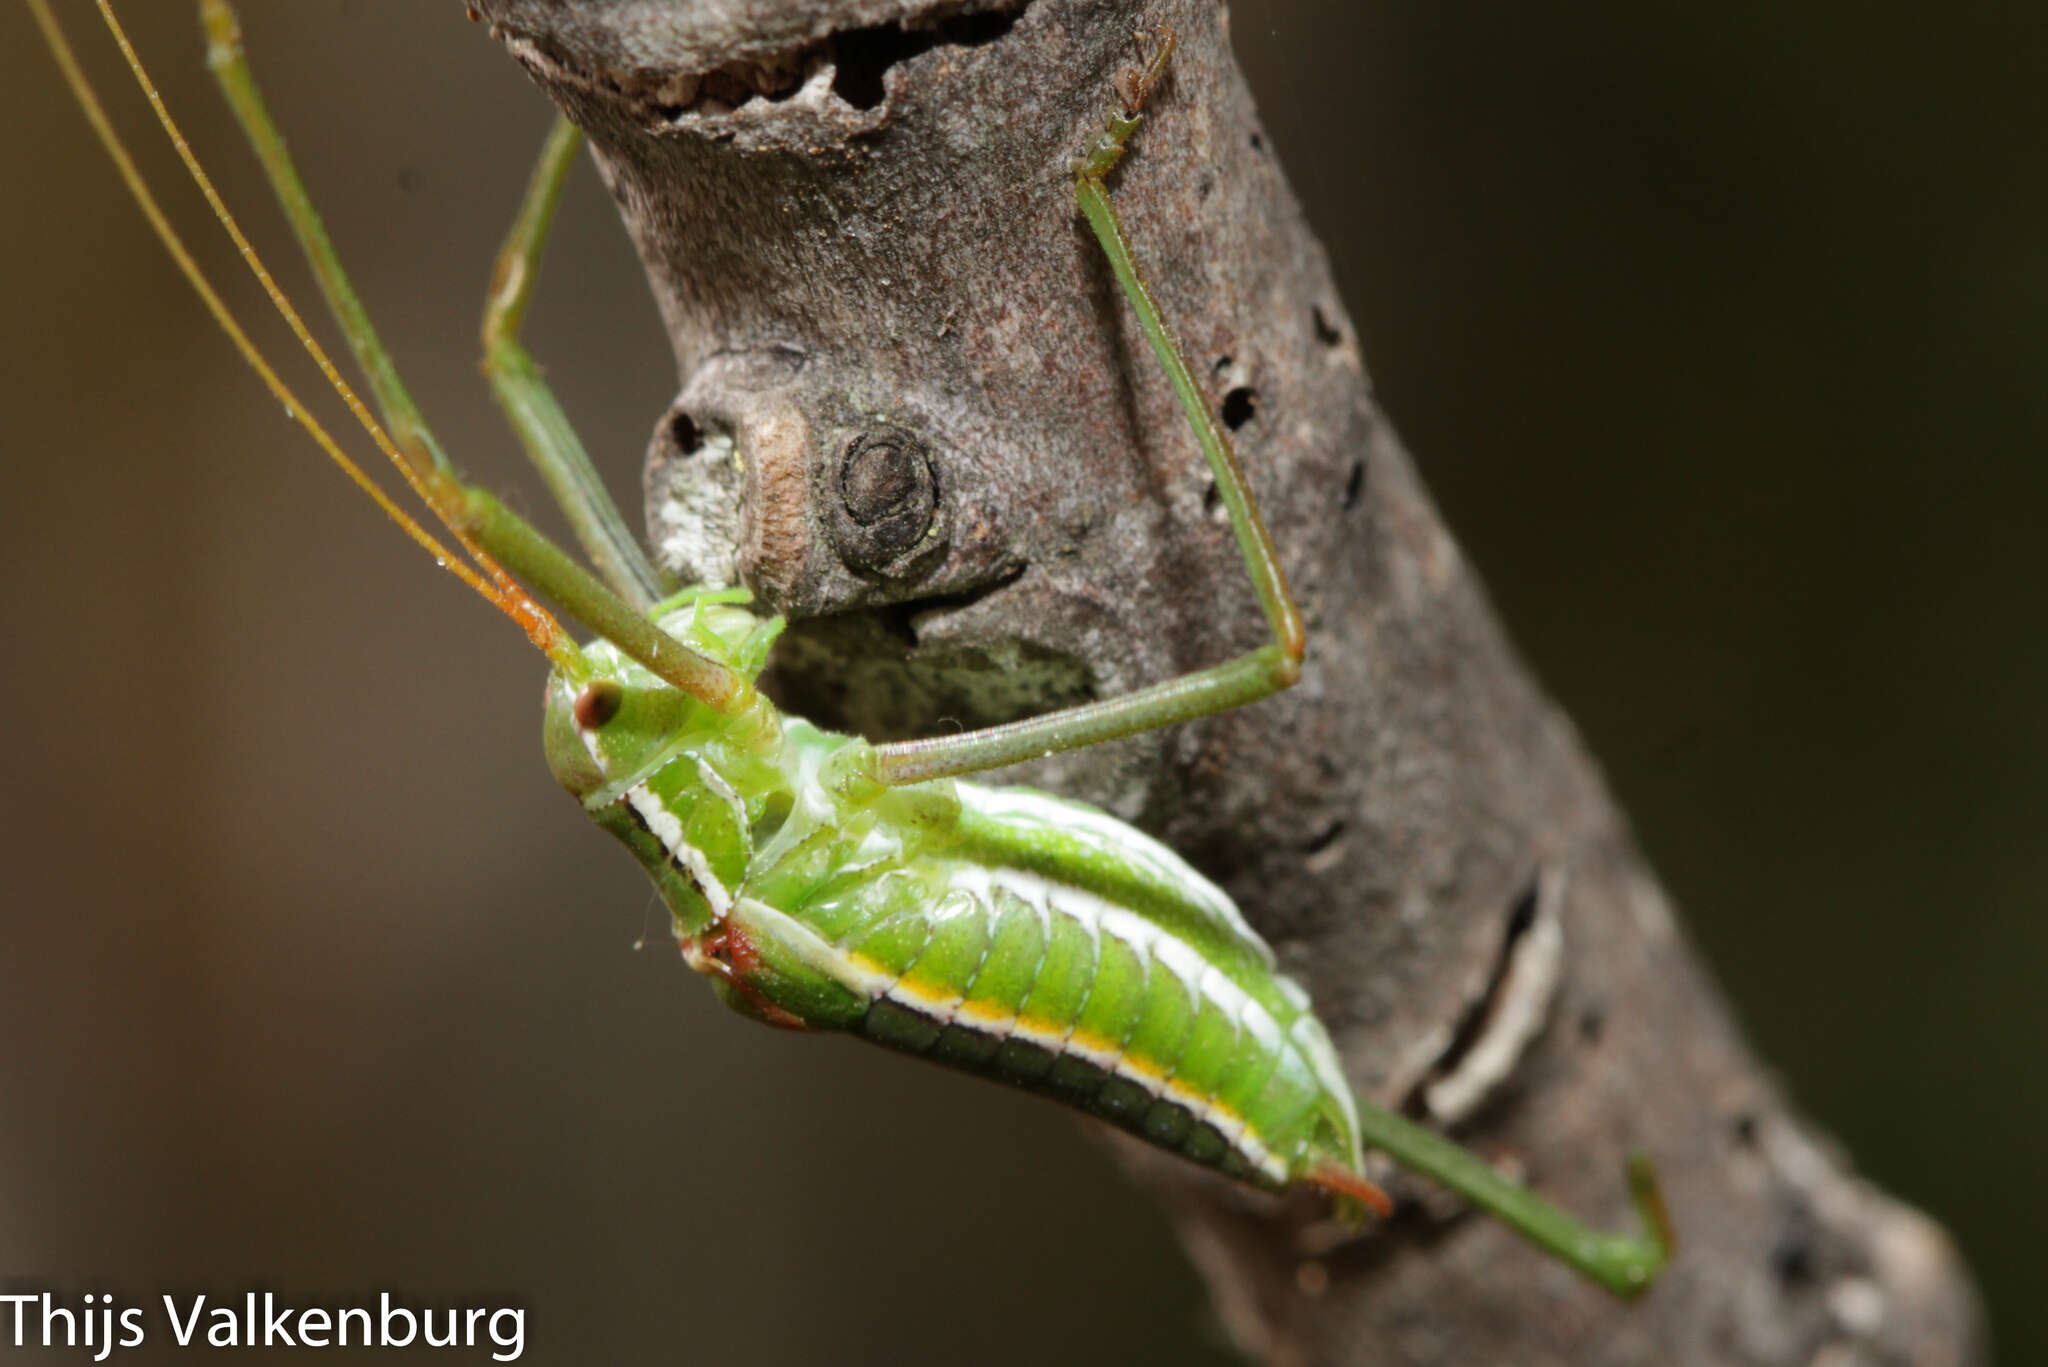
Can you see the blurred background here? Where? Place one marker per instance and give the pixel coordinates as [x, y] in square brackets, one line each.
[1715, 328]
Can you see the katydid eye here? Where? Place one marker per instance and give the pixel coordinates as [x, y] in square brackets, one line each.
[597, 704]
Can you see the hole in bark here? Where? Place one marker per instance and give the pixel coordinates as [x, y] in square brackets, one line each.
[890, 672]
[1323, 839]
[1354, 485]
[1223, 363]
[1521, 916]
[1211, 499]
[684, 432]
[898, 621]
[1592, 1024]
[1792, 1262]
[862, 57]
[1326, 331]
[774, 78]
[1744, 1130]
[1258, 142]
[1240, 406]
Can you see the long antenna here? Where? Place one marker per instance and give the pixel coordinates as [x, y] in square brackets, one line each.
[486, 576]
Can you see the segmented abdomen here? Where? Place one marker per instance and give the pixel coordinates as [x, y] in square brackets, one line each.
[1031, 980]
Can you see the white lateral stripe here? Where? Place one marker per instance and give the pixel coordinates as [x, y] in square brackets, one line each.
[715, 781]
[669, 831]
[1205, 984]
[1133, 846]
[1155, 945]
[1314, 1043]
[1179, 958]
[1204, 981]
[1234, 1130]
[1263, 1028]
[812, 949]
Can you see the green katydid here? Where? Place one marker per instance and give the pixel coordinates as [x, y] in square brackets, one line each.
[823, 882]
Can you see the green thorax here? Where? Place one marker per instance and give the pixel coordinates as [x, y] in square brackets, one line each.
[619, 723]
[701, 797]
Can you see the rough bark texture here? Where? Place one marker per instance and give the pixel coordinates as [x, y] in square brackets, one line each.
[960, 471]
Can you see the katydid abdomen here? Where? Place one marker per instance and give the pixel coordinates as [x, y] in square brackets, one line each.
[1010, 933]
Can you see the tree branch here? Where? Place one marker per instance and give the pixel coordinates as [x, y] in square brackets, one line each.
[960, 472]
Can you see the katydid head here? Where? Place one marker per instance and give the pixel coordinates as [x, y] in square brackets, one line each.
[612, 719]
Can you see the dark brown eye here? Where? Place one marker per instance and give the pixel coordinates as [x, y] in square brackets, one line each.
[597, 704]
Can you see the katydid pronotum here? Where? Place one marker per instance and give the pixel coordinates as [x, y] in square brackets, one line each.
[823, 882]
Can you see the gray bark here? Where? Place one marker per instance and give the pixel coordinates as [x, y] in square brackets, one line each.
[961, 474]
